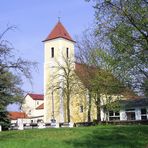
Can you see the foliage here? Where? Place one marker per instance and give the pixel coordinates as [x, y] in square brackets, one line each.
[10, 90]
[84, 137]
[98, 76]
[145, 87]
[4, 120]
[64, 79]
[10, 61]
[121, 26]
[12, 69]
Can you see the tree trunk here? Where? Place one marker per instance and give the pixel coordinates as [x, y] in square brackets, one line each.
[89, 107]
[98, 108]
[68, 109]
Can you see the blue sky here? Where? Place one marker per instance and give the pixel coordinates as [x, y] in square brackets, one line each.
[34, 20]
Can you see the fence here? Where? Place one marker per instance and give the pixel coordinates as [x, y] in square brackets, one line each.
[39, 126]
[77, 124]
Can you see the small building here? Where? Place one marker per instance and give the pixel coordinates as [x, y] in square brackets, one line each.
[129, 110]
[14, 116]
[33, 106]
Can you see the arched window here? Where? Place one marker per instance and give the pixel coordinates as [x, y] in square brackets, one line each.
[52, 52]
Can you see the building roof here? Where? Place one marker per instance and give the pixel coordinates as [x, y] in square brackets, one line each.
[59, 31]
[87, 73]
[16, 115]
[36, 96]
[131, 103]
[40, 106]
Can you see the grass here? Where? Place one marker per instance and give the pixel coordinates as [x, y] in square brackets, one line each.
[134, 136]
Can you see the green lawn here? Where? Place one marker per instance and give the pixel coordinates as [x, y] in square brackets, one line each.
[82, 137]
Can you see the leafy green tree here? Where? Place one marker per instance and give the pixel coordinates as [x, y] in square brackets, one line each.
[121, 26]
[10, 90]
[145, 87]
[4, 120]
[97, 74]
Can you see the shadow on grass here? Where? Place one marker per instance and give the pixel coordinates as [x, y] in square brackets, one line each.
[112, 138]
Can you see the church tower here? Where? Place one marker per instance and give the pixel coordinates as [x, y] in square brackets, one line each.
[57, 44]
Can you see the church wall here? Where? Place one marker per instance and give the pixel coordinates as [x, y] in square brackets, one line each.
[50, 71]
[77, 99]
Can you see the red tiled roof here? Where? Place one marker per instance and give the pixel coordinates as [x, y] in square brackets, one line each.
[16, 115]
[86, 74]
[59, 31]
[36, 96]
[40, 106]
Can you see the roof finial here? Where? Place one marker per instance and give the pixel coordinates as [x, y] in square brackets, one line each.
[59, 17]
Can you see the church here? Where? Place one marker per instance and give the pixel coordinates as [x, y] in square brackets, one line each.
[59, 56]
[66, 97]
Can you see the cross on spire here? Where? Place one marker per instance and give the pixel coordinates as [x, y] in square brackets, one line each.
[59, 18]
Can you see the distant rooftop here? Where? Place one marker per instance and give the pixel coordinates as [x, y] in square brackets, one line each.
[138, 102]
[16, 115]
[36, 96]
[40, 106]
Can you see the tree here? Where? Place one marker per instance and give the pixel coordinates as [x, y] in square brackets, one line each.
[4, 120]
[11, 67]
[66, 80]
[145, 87]
[98, 76]
[100, 84]
[121, 26]
[10, 90]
